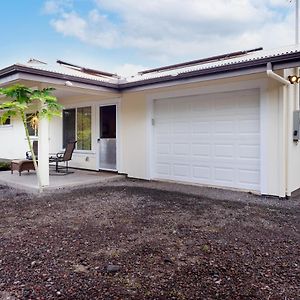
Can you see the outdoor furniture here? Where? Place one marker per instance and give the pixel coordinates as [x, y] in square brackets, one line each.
[35, 150]
[21, 165]
[63, 157]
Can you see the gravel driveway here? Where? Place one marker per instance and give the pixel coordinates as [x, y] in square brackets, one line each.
[131, 240]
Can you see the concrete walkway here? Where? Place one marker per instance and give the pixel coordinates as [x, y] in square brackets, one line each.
[28, 180]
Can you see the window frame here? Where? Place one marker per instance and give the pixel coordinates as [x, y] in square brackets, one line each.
[76, 127]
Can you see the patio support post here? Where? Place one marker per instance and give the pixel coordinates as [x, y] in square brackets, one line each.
[43, 156]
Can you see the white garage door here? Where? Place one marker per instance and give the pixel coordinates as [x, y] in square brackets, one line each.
[209, 139]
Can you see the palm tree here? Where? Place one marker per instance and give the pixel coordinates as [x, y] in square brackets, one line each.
[20, 99]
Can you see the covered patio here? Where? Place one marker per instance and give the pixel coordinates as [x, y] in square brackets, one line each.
[81, 96]
[28, 181]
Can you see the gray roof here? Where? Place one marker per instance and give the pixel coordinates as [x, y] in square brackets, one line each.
[281, 57]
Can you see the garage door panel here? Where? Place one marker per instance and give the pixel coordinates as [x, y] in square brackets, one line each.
[180, 127]
[249, 104]
[181, 170]
[224, 174]
[249, 126]
[202, 172]
[209, 139]
[225, 107]
[248, 151]
[249, 177]
[249, 112]
[202, 127]
[163, 148]
[203, 108]
[181, 148]
[163, 128]
[224, 127]
[180, 108]
[200, 150]
[161, 109]
[224, 151]
[163, 169]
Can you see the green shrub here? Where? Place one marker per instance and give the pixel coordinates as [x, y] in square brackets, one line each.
[4, 166]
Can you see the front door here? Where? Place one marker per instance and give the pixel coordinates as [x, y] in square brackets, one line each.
[107, 140]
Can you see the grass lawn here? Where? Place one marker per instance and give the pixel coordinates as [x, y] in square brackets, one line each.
[133, 242]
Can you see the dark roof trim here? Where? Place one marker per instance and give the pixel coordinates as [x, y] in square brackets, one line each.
[278, 62]
[14, 69]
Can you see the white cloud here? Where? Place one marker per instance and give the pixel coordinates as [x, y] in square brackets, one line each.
[57, 6]
[170, 30]
[95, 29]
[127, 70]
[70, 24]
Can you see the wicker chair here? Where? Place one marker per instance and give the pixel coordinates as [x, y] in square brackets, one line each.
[63, 157]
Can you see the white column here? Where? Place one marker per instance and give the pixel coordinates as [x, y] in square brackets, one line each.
[291, 156]
[43, 155]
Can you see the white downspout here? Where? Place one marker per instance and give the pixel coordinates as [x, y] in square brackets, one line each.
[275, 76]
[284, 157]
[297, 104]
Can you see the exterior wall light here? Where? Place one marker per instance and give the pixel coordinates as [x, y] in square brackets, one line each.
[68, 83]
[294, 79]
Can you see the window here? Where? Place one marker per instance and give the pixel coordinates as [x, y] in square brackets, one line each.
[32, 124]
[108, 122]
[84, 124]
[3, 115]
[69, 120]
[77, 125]
[7, 122]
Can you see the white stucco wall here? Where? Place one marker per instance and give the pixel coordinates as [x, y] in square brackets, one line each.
[12, 140]
[133, 131]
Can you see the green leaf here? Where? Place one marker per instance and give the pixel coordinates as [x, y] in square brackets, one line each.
[22, 98]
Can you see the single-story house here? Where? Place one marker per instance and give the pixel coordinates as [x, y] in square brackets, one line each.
[225, 121]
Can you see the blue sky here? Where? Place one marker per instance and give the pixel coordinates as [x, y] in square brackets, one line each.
[125, 36]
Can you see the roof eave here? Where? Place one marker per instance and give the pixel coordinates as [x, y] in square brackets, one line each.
[253, 66]
[15, 69]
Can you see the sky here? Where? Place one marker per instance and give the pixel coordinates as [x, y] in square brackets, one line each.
[127, 36]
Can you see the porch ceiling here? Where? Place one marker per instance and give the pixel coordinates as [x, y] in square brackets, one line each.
[73, 92]
[64, 93]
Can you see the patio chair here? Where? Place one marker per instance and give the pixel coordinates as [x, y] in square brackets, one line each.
[63, 157]
[35, 150]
